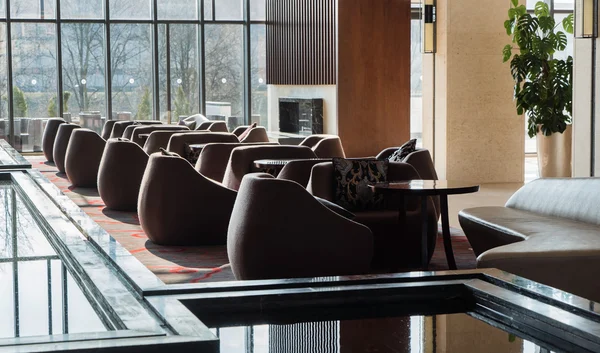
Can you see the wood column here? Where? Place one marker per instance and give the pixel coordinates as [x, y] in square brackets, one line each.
[373, 75]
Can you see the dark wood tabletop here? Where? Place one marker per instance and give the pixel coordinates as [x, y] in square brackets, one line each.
[426, 187]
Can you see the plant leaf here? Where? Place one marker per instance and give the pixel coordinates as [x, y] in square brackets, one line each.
[567, 23]
[515, 3]
[506, 53]
[541, 9]
[561, 40]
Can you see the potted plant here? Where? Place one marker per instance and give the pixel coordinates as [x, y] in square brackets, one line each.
[543, 84]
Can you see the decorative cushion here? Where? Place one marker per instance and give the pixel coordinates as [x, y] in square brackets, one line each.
[246, 132]
[190, 124]
[404, 150]
[352, 177]
[336, 208]
[191, 154]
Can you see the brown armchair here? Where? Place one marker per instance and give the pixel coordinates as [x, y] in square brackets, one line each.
[177, 142]
[50, 136]
[267, 238]
[258, 134]
[214, 157]
[135, 134]
[119, 127]
[179, 206]
[120, 174]
[83, 156]
[298, 171]
[325, 146]
[59, 150]
[107, 129]
[241, 160]
[218, 126]
[393, 246]
[160, 139]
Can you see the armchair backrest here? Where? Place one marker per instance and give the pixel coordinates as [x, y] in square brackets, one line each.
[241, 161]
[160, 139]
[107, 129]
[218, 126]
[258, 134]
[214, 157]
[193, 121]
[135, 135]
[177, 142]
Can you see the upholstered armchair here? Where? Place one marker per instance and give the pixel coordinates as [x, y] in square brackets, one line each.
[325, 146]
[83, 156]
[394, 246]
[204, 125]
[257, 134]
[179, 206]
[140, 130]
[193, 121]
[107, 129]
[160, 139]
[218, 126]
[241, 160]
[298, 171]
[239, 130]
[177, 142]
[120, 174]
[214, 157]
[279, 230]
[50, 136]
[128, 133]
[119, 127]
[59, 150]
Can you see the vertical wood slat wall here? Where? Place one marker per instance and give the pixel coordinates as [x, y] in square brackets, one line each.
[301, 42]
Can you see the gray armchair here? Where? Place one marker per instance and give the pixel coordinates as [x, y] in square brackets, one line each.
[278, 230]
[179, 206]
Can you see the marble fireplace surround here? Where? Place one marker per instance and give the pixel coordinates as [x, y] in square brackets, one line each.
[301, 115]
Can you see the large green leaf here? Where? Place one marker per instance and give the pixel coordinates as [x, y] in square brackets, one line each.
[508, 25]
[561, 38]
[567, 23]
[541, 9]
[515, 3]
[506, 52]
[547, 24]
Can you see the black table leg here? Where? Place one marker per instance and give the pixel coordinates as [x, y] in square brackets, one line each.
[424, 242]
[446, 232]
[392, 255]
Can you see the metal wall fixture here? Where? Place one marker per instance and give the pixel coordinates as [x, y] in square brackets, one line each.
[429, 26]
[586, 19]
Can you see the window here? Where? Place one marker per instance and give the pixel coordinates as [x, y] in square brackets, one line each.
[117, 59]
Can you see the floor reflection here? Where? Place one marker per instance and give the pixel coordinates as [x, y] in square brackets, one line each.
[38, 296]
[457, 333]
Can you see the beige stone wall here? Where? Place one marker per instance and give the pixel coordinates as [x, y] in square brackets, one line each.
[478, 135]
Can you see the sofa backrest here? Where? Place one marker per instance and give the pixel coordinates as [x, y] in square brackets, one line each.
[573, 198]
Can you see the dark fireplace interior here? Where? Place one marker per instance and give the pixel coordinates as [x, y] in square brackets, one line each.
[301, 116]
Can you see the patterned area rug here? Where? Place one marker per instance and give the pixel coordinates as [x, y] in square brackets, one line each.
[191, 264]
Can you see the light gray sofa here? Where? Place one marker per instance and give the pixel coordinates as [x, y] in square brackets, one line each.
[548, 231]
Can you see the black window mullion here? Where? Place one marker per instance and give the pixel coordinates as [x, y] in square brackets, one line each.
[247, 65]
[155, 62]
[59, 66]
[202, 52]
[108, 62]
[9, 79]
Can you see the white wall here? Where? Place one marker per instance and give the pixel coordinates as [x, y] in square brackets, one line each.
[327, 92]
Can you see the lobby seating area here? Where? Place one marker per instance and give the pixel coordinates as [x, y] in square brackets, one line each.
[194, 211]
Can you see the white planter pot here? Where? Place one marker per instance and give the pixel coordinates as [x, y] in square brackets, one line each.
[554, 154]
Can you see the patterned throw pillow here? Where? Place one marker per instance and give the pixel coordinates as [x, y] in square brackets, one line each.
[352, 178]
[404, 150]
[246, 132]
[191, 154]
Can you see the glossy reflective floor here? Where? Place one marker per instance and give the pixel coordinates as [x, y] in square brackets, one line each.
[456, 333]
[38, 296]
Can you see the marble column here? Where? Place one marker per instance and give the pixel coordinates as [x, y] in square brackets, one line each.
[478, 135]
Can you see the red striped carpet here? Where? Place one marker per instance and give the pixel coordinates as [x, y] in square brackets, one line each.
[190, 264]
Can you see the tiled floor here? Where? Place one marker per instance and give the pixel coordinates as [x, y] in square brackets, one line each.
[490, 194]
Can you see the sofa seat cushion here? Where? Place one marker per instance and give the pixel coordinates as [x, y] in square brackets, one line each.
[567, 259]
[490, 227]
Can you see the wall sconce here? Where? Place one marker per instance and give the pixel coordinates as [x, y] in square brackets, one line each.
[586, 19]
[429, 26]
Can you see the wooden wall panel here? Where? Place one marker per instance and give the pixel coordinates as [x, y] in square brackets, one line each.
[301, 42]
[373, 74]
